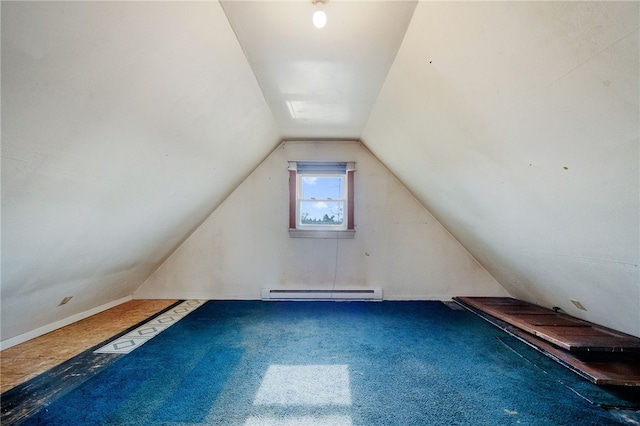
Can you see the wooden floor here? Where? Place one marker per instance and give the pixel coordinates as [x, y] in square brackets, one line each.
[29, 359]
[600, 354]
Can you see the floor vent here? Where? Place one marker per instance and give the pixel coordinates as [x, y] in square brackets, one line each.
[374, 294]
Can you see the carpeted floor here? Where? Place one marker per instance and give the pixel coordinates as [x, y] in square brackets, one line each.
[326, 363]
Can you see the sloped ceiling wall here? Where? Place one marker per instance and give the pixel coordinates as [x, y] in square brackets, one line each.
[124, 125]
[516, 125]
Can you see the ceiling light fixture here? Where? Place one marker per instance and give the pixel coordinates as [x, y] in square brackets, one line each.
[319, 17]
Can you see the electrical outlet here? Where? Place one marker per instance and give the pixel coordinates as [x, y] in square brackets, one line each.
[65, 300]
[578, 305]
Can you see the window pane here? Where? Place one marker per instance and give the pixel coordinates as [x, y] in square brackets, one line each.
[322, 187]
[321, 212]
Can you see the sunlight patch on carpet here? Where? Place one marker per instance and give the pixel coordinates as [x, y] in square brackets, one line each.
[305, 385]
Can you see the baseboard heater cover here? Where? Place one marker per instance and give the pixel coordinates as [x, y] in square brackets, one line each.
[374, 294]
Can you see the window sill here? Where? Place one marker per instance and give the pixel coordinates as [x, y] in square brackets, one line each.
[334, 235]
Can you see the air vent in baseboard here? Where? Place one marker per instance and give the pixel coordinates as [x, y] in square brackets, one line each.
[322, 294]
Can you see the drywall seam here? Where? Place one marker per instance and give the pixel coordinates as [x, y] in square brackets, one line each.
[406, 188]
[199, 224]
[244, 52]
[226, 198]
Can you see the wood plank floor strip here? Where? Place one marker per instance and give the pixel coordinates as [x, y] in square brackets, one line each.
[570, 333]
[608, 367]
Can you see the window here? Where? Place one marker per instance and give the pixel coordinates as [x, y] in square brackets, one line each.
[321, 199]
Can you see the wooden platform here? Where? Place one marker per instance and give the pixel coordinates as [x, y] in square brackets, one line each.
[599, 354]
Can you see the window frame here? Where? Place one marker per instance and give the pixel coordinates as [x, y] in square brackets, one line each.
[299, 230]
[300, 199]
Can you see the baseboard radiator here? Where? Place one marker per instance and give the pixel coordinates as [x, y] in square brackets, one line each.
[372, 294]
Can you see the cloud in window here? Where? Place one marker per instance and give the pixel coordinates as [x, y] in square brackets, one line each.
[320, 205]
[310, 180]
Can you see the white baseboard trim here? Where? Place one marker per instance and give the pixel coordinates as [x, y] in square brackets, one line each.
[21, 338]
[305, 293]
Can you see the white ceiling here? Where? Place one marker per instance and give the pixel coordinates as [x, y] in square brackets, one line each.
[125, 124]
[320, 83]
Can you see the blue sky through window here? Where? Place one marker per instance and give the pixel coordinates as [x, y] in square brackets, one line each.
[318, 191]
[323, 188]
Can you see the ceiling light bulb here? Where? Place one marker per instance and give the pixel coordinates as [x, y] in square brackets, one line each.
[319, 19]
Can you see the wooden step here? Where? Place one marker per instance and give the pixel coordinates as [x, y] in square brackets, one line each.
[599, 354]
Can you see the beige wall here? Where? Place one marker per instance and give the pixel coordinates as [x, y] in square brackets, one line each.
[245, 246]
[517, 125]
[124, 125]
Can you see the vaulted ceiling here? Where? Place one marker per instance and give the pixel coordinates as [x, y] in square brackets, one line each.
[125, 124]
[320, 83]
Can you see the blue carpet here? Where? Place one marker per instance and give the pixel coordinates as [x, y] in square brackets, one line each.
[326, 363]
